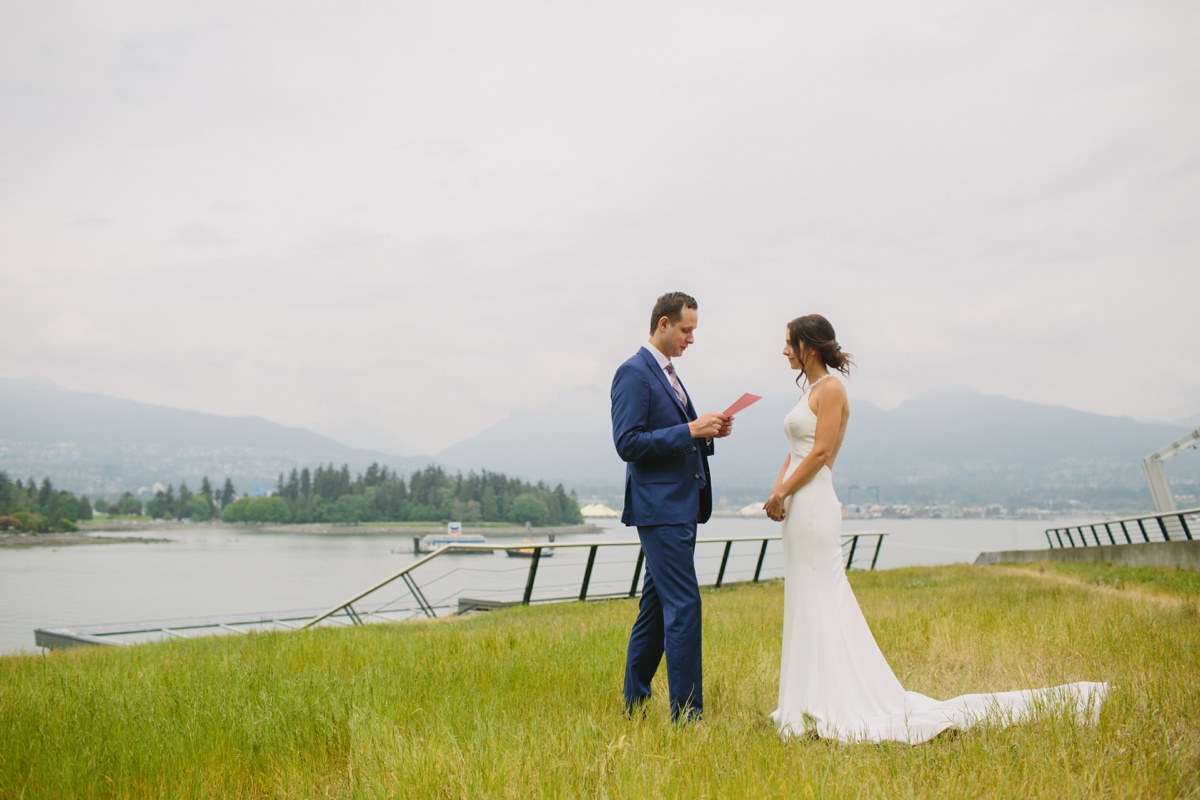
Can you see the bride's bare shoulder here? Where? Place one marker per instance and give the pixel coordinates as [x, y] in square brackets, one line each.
[836, 393]
[835, 390]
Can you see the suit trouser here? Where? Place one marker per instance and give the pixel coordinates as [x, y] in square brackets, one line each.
[668, 621]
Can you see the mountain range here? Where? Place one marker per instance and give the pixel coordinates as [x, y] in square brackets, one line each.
[944, 446]
[952, 445]
[100, 445]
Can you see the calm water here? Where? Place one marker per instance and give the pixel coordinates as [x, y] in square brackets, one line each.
[214, 571]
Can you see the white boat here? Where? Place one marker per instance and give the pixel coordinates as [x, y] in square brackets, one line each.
[436, 541]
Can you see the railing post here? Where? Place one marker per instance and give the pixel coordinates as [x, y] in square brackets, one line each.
[1142, 528]
[1125, 531]
[533, 565]
[587, 573]
[1186, 530]
[853, 546]
[637, 572]
[724, 561]
[411, 582]
[1163, 527]
[1049, 541]
[878, 545]
[1095, 535]
[1108, 530]
[761, 555]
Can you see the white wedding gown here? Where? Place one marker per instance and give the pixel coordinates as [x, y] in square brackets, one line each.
[833, 680]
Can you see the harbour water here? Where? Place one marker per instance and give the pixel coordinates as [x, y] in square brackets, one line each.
[208, 571]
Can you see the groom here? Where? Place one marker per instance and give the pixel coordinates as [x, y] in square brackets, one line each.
[667, 492]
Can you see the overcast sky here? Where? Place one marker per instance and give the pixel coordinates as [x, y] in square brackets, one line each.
[394, 223]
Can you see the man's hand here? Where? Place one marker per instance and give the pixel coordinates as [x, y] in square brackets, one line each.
[707, 426]
[726, 429]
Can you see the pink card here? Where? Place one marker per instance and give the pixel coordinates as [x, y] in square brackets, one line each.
[745, 401]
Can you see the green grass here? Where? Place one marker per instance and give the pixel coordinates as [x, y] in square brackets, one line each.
[1180, 582]
[526, 702]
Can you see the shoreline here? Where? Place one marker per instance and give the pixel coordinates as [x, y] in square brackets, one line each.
[328, 529]
[323, 529]
[24, 541]
[86, 534]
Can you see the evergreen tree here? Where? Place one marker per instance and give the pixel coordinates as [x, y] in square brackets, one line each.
[44, 497]
[489, 508]
[184, 502]
[227, 493]
[372, 478]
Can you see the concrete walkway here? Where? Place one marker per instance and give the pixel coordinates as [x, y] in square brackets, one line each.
[1181, 555]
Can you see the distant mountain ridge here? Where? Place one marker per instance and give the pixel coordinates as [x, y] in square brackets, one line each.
[942, 446]
[99, 444]
[566, 439]
[1191, 423]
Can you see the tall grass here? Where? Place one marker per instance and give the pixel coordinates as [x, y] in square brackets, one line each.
[526, 702]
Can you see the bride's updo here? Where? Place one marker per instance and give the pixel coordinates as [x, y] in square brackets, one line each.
[814, 332]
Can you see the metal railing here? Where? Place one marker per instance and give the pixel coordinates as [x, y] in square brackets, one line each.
[347, 609]
[601, 579]
[1170, 527]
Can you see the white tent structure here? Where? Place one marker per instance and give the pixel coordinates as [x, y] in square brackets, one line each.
[598, 510]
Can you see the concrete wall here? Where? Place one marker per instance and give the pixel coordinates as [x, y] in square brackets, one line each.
[1181, 555]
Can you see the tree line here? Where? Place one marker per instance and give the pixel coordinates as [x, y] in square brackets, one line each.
[199, 506]
[29, 508]
[327, 494]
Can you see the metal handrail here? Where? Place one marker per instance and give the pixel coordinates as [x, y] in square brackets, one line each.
[347, 614]
[347, 607]
[1163, 527]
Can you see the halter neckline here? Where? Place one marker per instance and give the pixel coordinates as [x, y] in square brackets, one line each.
[817, 382]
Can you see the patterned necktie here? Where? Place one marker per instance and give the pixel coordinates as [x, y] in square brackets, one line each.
[675, 383]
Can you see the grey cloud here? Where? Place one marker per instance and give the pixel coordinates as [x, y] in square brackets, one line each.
[201, 236]
[90, 221]
[448, 215]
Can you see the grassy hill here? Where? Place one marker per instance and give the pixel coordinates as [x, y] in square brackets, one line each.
[526, 702]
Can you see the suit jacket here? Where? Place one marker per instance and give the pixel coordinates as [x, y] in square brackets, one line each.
[666, 470]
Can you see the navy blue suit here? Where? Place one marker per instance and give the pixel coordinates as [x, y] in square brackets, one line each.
[667, 493]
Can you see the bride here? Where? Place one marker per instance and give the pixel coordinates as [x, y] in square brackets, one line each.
[834, 681]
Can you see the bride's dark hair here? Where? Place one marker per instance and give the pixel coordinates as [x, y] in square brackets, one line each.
[815, 332]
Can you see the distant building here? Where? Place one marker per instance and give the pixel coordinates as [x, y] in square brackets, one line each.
[598, 510]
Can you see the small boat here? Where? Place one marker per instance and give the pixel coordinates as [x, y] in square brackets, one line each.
[436, 541]
[527, 552]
